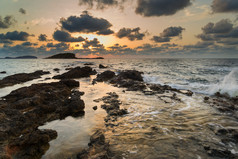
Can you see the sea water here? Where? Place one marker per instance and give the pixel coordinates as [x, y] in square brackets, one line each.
[206, 76]
[152, 129]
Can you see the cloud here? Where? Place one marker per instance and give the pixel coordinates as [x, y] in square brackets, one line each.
[7, 21]
[222, 6]
[22, 11]
[42, 37]
[15, 35]
[148, 8]
[29, 44]
[222, 32]
[159, 39]
[131, 34]
[86, 23]
[92, 43]
[101, 4]
[168, 34]
[64, 36]
[172, 31]
[223, 26]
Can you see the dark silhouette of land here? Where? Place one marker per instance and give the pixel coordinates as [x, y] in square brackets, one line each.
[68, 56]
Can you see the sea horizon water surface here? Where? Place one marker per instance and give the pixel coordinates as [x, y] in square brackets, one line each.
[206, 76]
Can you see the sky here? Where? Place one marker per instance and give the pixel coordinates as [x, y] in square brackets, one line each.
[120, 28]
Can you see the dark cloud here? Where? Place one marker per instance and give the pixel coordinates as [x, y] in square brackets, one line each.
[159, 39]
[172, 31]
[131, 34]
[105, 32]
[42, 37]
[101, 4]
[7, 21]
[223, 26]
[58, 45]
[4, 41]
[15, 35]
[149, 8]
[86, 24]
[222, 6]
[168, 34]
[64, 36]
[199, 45]
[29, 44]
[222, 32]
[22, 11]
[92, 43]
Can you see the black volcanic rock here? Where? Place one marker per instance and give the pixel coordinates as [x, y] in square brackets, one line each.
[3, 72]
[20, 78]
[77, 72]
[63, 56]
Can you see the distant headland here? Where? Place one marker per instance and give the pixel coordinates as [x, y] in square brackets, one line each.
[68, 56]
[21, 57]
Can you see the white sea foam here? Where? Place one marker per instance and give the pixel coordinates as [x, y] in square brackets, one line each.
[228, 85]
[151, 79]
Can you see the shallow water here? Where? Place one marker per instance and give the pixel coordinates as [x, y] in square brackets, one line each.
[153, 128]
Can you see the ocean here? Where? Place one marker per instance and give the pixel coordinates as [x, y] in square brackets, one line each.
[206, 76]
[152, 129]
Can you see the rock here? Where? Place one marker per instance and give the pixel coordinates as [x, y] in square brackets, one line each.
[105, 76]
[188, 93]
[102, 66]
[112, 105]
[70, 83]
[98, 148]
[3, 72]
[88, 64]
[131, 74]
[95, 108]
[20, 78]
[69, 68]
[206, 98]
[56, 69]
[77, 72]
[25, 109]
[217, 152]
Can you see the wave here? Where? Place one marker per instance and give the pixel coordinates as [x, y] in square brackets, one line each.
[228, 85]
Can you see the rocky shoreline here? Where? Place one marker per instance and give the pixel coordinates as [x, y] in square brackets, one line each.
[27, 108]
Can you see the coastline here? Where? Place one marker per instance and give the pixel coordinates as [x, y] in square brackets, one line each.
[132, 81]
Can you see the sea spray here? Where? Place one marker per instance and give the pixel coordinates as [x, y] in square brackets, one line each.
[228, 85]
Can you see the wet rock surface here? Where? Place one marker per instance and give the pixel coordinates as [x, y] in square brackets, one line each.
[98, 148]
[105, 76]
[223, 103]
[102, 66]
[77, 72]
[21, 78]
[25, 109]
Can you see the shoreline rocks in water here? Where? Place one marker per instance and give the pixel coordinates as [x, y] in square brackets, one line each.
[77, 72]
[27, 108]
[21, 78]
[98, 147]
[3, 72]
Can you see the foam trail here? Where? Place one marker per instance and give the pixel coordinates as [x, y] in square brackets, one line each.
[229, 85]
